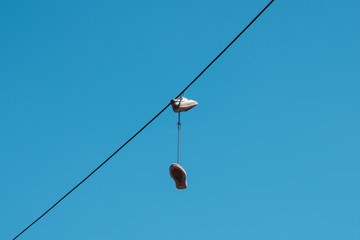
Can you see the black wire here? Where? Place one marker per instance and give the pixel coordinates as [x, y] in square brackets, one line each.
[146, 123]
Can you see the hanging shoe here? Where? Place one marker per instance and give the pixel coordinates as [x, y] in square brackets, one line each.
[179, 175]
[183, 104]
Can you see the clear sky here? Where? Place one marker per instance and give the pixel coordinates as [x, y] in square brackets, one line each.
[271, 151]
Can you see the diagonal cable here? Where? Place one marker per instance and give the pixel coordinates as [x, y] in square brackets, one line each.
[147, 124]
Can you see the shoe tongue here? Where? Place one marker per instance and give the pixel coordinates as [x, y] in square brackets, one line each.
[177, 173]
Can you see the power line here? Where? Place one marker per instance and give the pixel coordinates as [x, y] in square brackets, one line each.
[147, 124]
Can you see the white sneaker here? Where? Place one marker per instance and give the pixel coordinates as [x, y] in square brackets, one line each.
[183, 104]
[179, 175]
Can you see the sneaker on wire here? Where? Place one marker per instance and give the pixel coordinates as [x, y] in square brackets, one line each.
[183, 104]
[179, 175]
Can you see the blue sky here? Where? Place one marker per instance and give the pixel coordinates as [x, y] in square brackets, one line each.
[271, 151]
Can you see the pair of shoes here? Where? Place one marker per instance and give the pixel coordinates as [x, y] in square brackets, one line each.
[176, 171]
[183, 104]
[179, 175]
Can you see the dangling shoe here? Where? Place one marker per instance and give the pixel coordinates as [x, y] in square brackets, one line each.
[179, 176]
[183, 104]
